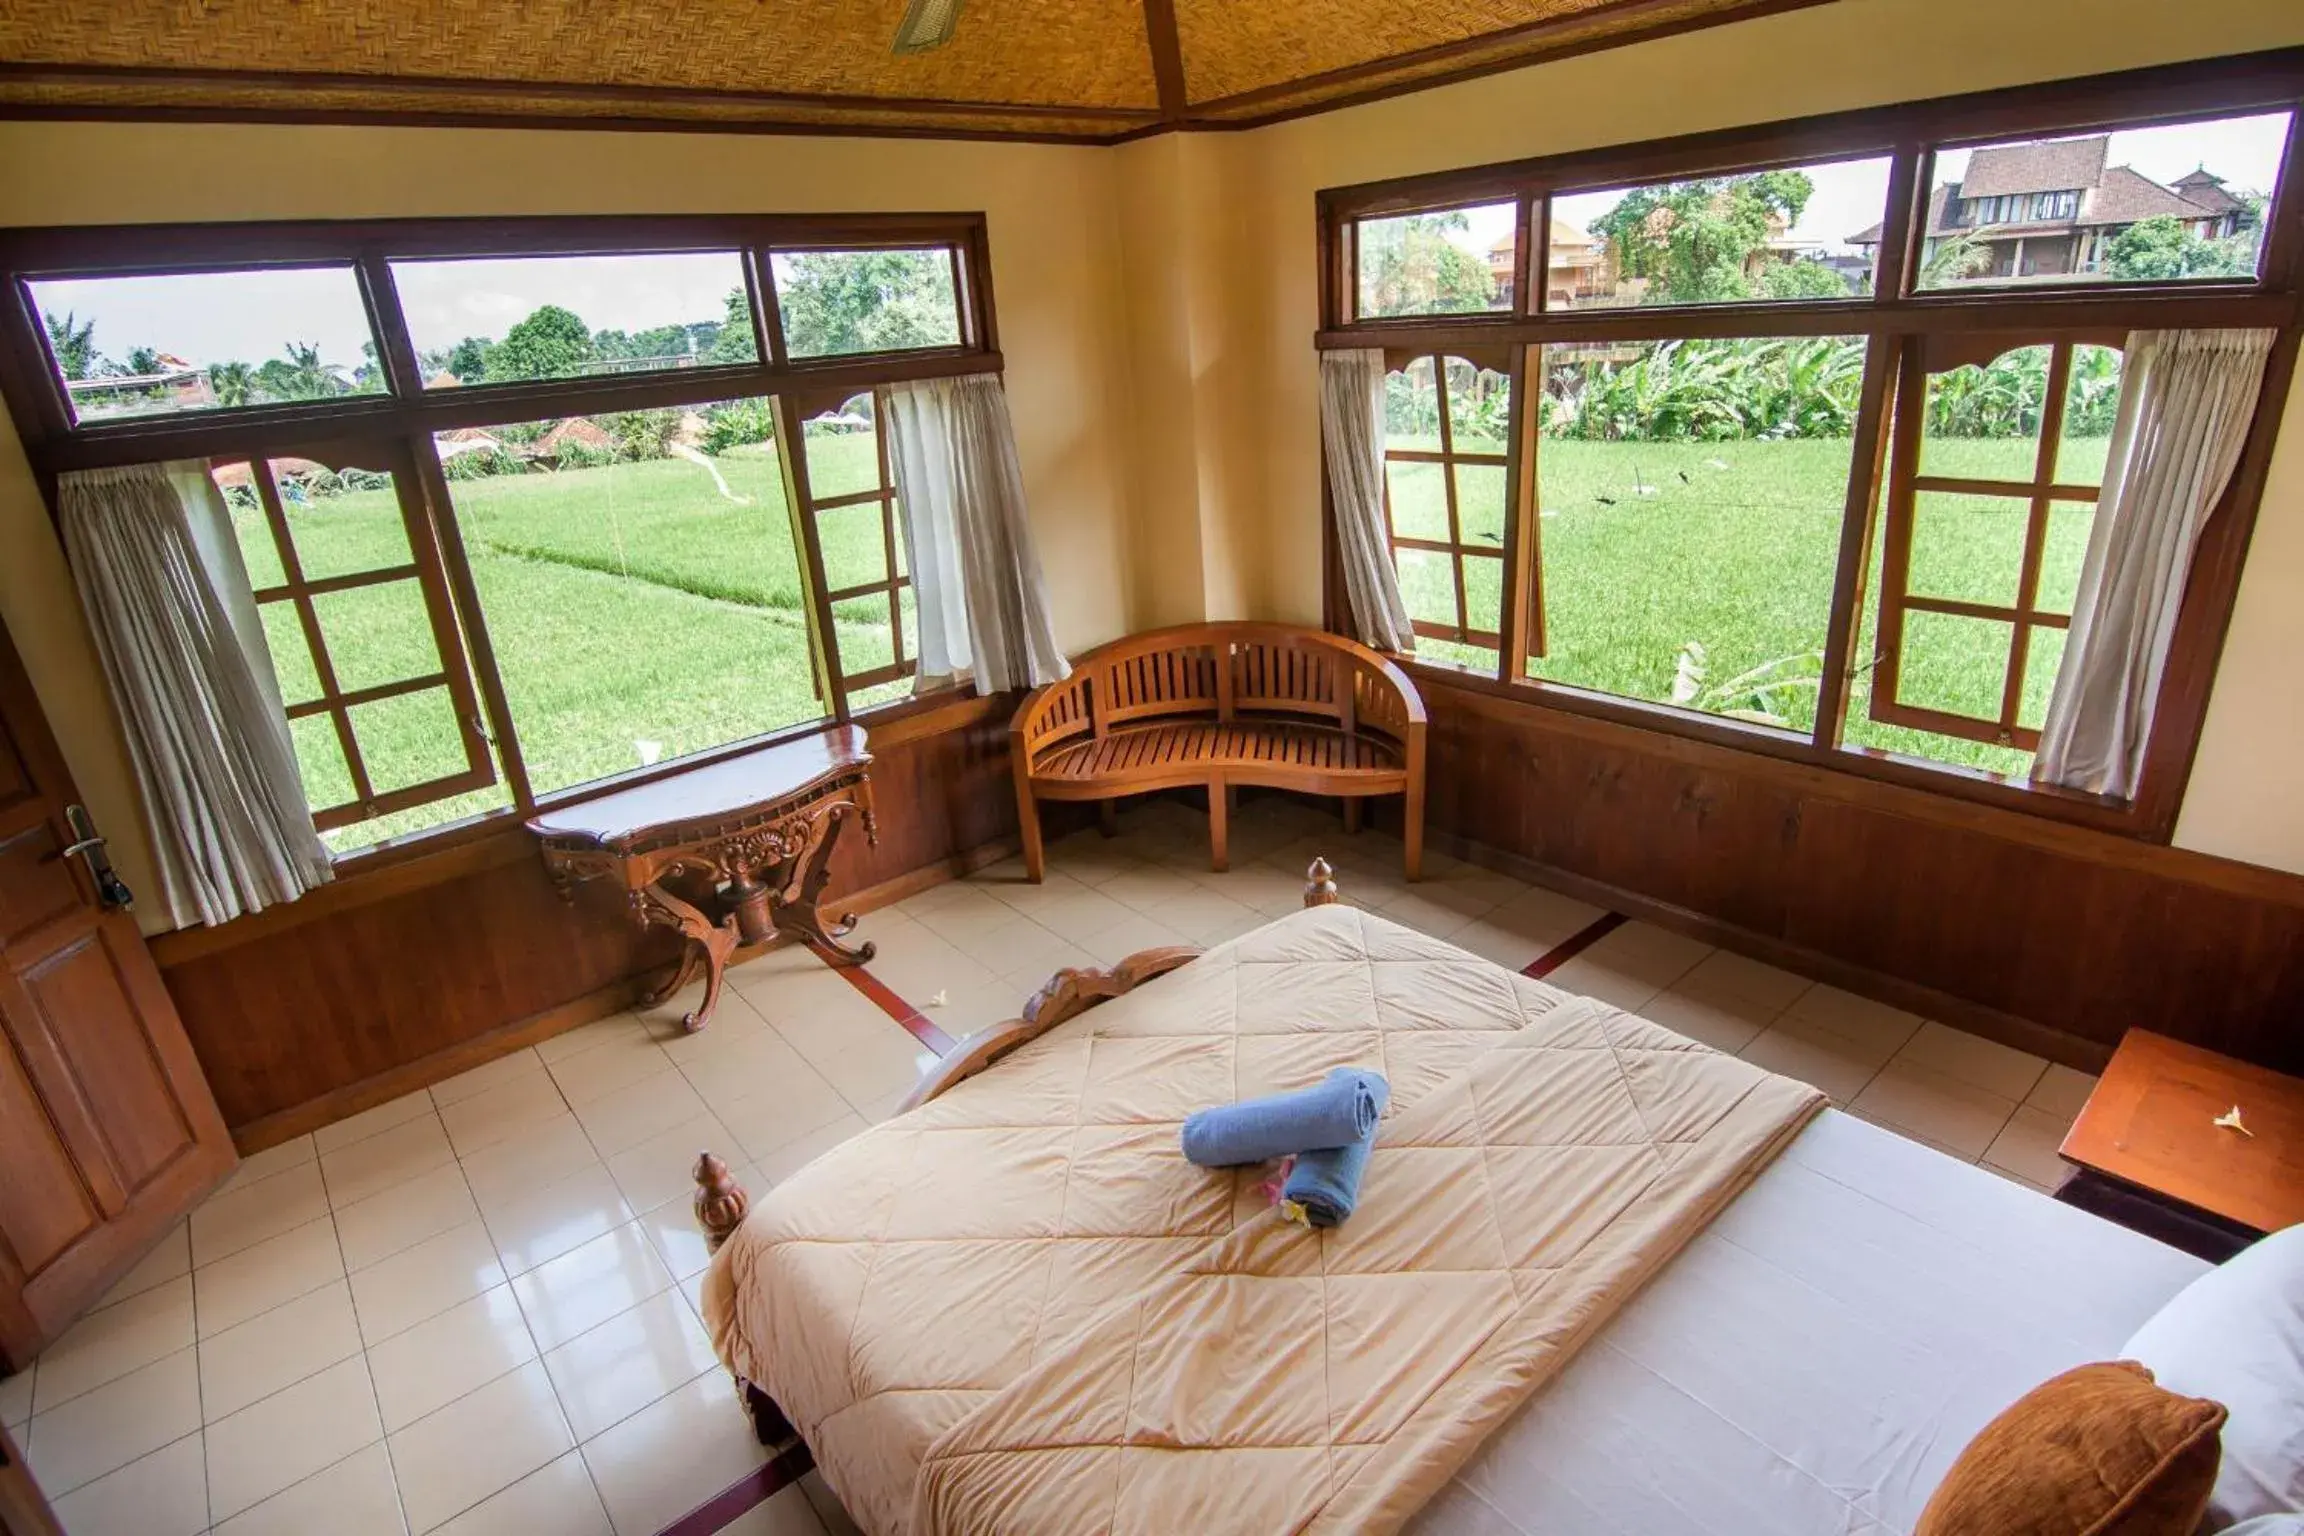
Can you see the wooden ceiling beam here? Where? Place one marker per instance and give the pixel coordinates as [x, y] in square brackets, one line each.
[1167, 59]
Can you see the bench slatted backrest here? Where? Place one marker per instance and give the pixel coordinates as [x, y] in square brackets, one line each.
[1279, 679]
[1179, 680]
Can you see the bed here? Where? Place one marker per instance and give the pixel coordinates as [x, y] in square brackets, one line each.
[1620, 1282]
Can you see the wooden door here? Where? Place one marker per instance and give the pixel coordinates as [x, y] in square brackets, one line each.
[108, 1133]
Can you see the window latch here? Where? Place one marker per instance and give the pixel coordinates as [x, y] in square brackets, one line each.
[480, 729]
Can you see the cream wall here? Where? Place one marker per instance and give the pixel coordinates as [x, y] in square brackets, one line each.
[1056, 266]
[2245, 802]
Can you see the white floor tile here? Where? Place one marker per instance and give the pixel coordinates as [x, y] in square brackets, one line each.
[619, 1061]
[828, 1507]
[259, 1166]
[2062, 1092]
[1958, 1116]
[611, 1372]
[787, 1512]
[104, 1430]
[662, 1168]
[386, 1160]
[1725, 974]
[546, 1154]
[580, 1290]
[2000, 1070]
[1873, 1031]
[425, 1280]
[477, 1446]
[373, 1122]
[887, 1060]
[518, 1066]
[2026, 1147]
[278, 1442]
[169, 1258]
[502, 1112]
[164, 1493]
[225, 1224]
[1838, 1066]
[257, 1279]
[620, 1121]
[353, 1497]
[405, 1215]
[277, 1349]
[672, 1455]
[1720, 1019]
[16, 1399]
[439, 1360]
[779, 1113]
[105, 1346]
[555, 1500]
[790, 1158]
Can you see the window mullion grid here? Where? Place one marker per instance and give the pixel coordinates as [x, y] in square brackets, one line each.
[464, 601]
[2035, 535]
[1448, 488]
[331, 695]
[824, 643]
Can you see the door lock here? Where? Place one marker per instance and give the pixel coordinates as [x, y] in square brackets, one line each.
[88, 844]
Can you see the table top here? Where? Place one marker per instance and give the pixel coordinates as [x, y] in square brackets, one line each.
[717, 792]
[2151, 1122]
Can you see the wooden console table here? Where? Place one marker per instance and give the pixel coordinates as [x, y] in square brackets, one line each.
[751, 836]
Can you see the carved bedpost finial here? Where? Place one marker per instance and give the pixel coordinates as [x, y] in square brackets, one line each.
[721, 1203]
[1319, 885]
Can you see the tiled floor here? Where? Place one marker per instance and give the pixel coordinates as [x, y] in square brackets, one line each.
[473, 1310]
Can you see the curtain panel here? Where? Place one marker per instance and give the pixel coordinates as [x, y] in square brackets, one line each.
[2185, 406]
[976, 579]
[167, 598]
[1352, 431]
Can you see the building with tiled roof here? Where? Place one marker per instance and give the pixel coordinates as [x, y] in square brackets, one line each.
[2048, 209]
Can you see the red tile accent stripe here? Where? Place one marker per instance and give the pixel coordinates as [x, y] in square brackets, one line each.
[1573, 945]
[896, 1008]
[746, 1494]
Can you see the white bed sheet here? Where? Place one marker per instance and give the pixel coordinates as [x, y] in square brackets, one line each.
[1816, 1359]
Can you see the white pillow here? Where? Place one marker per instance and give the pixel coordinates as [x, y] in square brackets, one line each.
[2267, 1525]
[2236, 1335]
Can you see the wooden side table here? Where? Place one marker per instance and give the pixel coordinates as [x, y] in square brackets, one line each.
[2151, 1156]
[757, 830]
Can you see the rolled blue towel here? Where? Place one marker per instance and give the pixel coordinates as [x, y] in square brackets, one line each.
[1324, 1185]
[1339, 1111]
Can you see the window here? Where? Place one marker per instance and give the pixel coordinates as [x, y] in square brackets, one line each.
[1445, 425]
[1796, 233]
[1677, 482]
[685, 541]
[850, 494]
[205, 341]
[2177, 202]
[839, 303]
[1797, 458]
[1981, 550]
[370, 669]
[573, 317]
[1451, 262]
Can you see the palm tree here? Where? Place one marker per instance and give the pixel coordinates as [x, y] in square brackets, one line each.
[1956, 260]
[232, 383]
[143, 362]
[306, 377]
[73, 344]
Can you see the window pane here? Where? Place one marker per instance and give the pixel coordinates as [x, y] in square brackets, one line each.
[412, 739]
[1692, 494]
[1449, 263]
[844, 450]
[855, 550]
[142, 346]
[1419, 500]
[2183, 202]
[420, 818]
[1480, 504]
[1484, 593]
[1968, 547]
[342, 523]
[1427, 586]
[2043, 654]
[2091, 404]
[1479, 407]
[379, 634]
[644, 603]
[1808, 233]
[2069, 524]
[1983, 420]
[259, 551]
[1954, 663]
[1860, 731]
[866, 642]
[560, 317]
[320, 757]
[834, 303]
[292, 664]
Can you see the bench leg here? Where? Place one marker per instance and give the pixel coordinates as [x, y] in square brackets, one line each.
[1412, 830]
[1219, 827]
[1028, 819]
[1108, 817]
[1352, 815]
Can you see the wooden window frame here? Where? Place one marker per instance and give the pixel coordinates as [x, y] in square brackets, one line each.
[395, 428]
[893, 581]
[1448, 459]
[1898, 323]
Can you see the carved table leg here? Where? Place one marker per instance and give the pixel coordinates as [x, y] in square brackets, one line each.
[691, 958]
[716, 941]
[798, 914]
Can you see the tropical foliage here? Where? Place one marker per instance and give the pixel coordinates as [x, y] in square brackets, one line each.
[839, 302]
[1695, 242]
[2161, 249]
[1677, 391]
[1410, 266]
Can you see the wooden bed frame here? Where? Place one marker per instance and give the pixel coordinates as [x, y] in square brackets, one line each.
[721, 1203]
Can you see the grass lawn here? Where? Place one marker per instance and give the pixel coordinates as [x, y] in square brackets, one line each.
[1647, 546]
[636, 613]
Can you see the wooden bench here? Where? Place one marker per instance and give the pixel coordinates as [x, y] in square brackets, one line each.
[1221, 705]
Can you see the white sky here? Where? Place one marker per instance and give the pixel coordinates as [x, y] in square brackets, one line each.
[252, 316]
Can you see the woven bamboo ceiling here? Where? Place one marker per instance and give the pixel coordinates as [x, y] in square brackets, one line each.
[1091, 70]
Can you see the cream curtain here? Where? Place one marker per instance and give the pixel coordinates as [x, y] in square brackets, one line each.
[2186, 399]
[175, 625]
[1352, 430]
[983, 603]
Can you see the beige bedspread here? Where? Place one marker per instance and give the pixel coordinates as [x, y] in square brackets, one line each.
[896, 1289]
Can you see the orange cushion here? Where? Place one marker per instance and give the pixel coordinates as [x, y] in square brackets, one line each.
[2097, 1451]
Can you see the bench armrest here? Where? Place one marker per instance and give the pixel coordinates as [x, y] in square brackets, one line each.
[1051, 713]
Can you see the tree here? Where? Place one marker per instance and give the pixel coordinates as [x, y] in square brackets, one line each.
[1693, 239]
[143, 361]
[73, 343]
[731, 335]
[301, 374]
[2161, 249]
[232, 383]
[468, 359]
[839, 302]
[1410, 266]
[552, 343]
[1956, 260]
[1801, 280]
